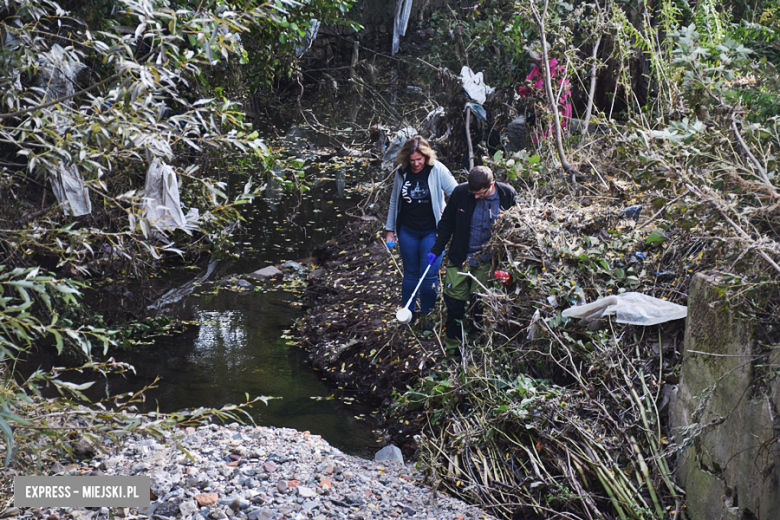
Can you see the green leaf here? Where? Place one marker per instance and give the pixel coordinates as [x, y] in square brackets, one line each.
[60, 343]
[15, 418]
[656, 237]
[66, 289]
[8, 434]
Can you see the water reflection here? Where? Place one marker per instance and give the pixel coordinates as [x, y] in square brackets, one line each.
[238, 350]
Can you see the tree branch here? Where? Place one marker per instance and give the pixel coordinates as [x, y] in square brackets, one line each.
[548, 87]
[60, 100]
[752, 157]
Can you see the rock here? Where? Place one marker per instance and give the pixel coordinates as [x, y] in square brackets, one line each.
[245, 283]
[280, 459]
[317, 274]
[84, 449]
[189, 507]
[169, 508]
[389, 453]
[353, 498]
[306, 492]
[260, 514]
[109, 463]
[206, 499]
[148, 511]
[217, 514]
[264, 273]
[293, 265]
[239, 504]
[161, 483]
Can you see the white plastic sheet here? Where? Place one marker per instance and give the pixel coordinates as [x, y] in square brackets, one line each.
[395, 146]
[58, 71]
[304, 43]
[68, 187]
[403, 9]
[432, 121]
[162, 206]
[630, 307]
[474, 85]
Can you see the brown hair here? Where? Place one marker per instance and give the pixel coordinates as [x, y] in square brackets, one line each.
[480, 178]
[415, 144]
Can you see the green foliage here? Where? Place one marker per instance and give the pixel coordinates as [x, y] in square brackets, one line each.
[139, 83]
[271, 45]
[38, 431]
[481, 38]
[30, 314]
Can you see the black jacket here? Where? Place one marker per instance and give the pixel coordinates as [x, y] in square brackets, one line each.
[456, 220]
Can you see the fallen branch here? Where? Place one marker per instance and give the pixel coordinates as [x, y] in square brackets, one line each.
[761, 169]
[741, 232]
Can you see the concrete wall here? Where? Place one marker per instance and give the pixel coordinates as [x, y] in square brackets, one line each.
[730, 470]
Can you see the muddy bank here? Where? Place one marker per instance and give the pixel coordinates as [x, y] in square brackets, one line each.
[351, 331]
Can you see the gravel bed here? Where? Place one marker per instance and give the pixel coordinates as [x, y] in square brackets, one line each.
[260, 473]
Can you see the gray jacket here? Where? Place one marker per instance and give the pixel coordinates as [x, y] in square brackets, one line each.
[440, 182]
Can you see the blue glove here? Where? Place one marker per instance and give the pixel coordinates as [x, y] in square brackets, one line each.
[432, 258]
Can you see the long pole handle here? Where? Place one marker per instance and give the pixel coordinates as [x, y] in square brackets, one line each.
[418, 286]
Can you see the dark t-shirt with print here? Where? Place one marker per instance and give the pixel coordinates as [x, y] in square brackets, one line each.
[416, 209]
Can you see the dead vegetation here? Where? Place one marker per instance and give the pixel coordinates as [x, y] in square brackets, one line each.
[545, 417]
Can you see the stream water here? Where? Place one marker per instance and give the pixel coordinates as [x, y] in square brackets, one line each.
[242, 345]
[238, 345]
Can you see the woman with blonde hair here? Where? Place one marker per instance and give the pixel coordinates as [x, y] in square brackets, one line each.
[416, 205]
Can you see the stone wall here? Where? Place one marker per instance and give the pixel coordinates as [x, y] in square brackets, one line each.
[725, 405]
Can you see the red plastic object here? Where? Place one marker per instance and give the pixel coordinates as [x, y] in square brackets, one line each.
[503, 276]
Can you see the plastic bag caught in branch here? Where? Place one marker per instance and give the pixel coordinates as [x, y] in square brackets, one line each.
[395, 145]
[161, 200]
[630, 307]
[69, 188]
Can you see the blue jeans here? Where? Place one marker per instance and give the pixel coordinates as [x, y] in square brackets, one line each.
[415, 246]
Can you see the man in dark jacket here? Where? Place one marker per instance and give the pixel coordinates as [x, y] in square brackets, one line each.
[467, 220]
